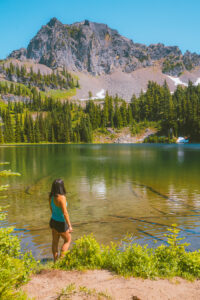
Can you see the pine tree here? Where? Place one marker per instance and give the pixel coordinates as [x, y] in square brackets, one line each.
[117, 117]
[36, 132]
[12, 90]
[105, 112]
[52, 135]
[1, 136]
[17, 130]
[8, 128]
[123, 111]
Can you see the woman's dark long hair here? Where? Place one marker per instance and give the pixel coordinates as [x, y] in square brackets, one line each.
[57, 188]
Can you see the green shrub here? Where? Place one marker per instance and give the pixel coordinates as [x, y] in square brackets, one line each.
[15, 267]
[86, 253]
[171, 64]
[9, 244]
[134, 260]
[159, 139]
[139, 127]
[11, 276]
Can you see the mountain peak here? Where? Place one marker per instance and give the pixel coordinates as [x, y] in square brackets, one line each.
[86, 22]
[95, 48]
[53, 22]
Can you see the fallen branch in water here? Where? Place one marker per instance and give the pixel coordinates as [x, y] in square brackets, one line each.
[166, 197]
[160, 211]
[73, 224]
[155, 223]
[152, 236]
[122, 219]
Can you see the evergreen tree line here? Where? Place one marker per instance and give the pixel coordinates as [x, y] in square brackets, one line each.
[33, 97]
[58, 80]
[49, 120]
[178, 113]
[52, 126]
[15, 89]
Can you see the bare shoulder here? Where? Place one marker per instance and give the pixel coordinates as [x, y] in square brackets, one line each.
[61, 198]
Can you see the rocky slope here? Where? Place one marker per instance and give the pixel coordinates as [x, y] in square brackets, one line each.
[122, 136]
[97, 49]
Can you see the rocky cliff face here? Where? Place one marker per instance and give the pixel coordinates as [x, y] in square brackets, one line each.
[97, 49]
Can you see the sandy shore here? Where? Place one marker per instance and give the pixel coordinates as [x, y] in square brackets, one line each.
[100, 284]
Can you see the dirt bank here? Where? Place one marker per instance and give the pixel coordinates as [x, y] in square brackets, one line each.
[122, 136]
[99, 284]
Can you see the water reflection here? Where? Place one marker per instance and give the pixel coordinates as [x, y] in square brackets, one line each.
[180, 154]
[112, 189]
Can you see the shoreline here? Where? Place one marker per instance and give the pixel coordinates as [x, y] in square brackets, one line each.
[95, 143]
[102, 284]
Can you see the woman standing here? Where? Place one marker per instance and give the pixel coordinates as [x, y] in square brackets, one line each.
[59, 223]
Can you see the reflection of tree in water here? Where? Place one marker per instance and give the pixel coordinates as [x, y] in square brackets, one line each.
[103, 179]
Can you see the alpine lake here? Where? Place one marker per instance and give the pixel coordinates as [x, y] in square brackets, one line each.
[112, 190]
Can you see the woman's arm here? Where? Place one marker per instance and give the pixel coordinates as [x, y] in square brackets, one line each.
[50, 204]
[65, 212]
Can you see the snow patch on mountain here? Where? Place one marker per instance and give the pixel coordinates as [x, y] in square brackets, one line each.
[197, 82]
[177, 80]
[99, 96]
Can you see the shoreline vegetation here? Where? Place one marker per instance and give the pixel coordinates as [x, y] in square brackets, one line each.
[128, 258]
[125, 258]
[15, 266]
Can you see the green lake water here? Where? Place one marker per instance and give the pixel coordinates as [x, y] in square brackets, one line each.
[112, 190]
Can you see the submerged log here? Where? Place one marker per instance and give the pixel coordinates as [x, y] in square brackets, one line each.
[165, 196]
[152, 236]
[155, 223]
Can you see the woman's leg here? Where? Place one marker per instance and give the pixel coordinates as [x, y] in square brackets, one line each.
[67, 240]
[55, 240]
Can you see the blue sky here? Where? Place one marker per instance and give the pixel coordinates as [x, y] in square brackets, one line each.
[172, 22]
